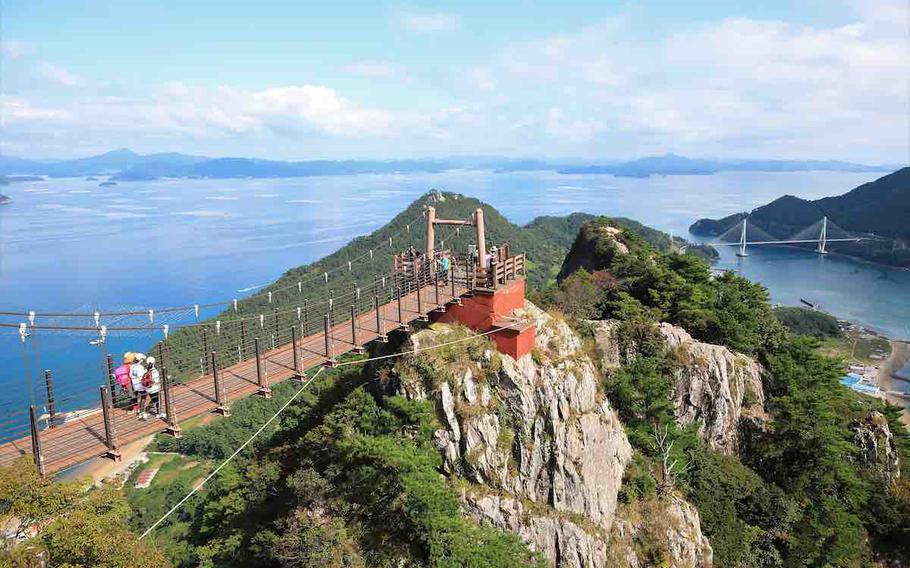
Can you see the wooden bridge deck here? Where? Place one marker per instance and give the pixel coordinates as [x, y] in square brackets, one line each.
[83, 438]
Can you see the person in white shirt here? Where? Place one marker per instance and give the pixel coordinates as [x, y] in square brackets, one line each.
[137, 371]
[152, 384]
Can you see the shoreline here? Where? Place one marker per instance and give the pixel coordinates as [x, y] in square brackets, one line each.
[897, 360]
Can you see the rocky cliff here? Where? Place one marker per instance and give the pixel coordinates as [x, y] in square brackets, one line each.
[879, 452]
[534, 445]
[642, 527]
[714, 387]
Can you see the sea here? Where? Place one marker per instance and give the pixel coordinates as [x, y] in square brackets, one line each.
[70, 245]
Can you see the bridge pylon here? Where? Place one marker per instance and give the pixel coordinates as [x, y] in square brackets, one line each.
[823, 237]
[742, 241]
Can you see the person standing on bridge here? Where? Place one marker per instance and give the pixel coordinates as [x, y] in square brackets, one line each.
[137, 371]
[122, 376]
[151, 404]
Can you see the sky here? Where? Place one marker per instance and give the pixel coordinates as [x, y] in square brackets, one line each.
[597, 80]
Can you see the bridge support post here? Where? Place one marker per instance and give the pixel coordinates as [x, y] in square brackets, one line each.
[298, 376]
[51, 405]
[420, 315]
[455, 297]
[222, 408]
[170, 406]
[329, 344]
[742, 242]
[401, 324]
[261, 378]
[110, 374]
[358, 348]
[37, 454]
[110, 432]
[823, 237]
[481, 235]
[380, 325]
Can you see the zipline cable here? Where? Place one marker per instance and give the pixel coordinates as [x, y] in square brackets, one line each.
[286, 404]
[231, 457]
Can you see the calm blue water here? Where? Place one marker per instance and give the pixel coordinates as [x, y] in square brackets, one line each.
[69, 245]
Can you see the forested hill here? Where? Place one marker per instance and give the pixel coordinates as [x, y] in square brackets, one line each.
[879, 208]
[545, 240]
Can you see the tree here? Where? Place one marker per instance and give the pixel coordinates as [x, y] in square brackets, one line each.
[70, 526]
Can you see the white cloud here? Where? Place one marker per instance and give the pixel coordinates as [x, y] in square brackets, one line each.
[13, 48]
[58, 75]
[371, 69]
[180, 111]
[734, 87]
[15, 110]
[428, 22]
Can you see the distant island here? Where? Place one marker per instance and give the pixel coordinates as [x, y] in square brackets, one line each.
[107, 184]
[671, 164]
[22, 178]
[126, 165]
[4, 199]
[878, 209]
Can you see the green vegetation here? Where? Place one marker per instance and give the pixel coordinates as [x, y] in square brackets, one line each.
[645, 284]
[878, 209]
[347, 480]
[799, 493]
[350, 476]
[545, 240]
[857, 346]
[79, 528]
[803, 321]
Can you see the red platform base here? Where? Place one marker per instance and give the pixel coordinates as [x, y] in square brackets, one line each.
[489, 309]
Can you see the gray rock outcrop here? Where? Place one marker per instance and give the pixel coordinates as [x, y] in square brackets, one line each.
[714, 387]
[535, 436]
[668, 528]
[879, 454]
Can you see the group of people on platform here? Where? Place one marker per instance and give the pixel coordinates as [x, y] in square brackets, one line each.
[139, 380]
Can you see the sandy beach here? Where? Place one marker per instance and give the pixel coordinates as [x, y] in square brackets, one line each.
[900, 356]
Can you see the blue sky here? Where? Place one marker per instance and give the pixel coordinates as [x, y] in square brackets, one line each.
[595, 80]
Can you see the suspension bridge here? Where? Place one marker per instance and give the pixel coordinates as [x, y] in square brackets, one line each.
[209, 364]
[820, 233]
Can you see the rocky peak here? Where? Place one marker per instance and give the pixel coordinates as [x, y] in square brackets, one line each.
[595, 247]
[879, 453]
[540, 445]
[714, 387]
[539, 449]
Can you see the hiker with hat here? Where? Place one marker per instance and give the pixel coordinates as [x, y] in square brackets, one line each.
[151, 382]
[122, 376]
[137, 371]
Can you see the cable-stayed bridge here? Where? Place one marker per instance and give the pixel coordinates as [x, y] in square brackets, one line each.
[820, 233]
[206, 364]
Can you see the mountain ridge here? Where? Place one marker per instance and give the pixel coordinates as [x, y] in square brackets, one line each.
[126, 165]
[878, 208]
